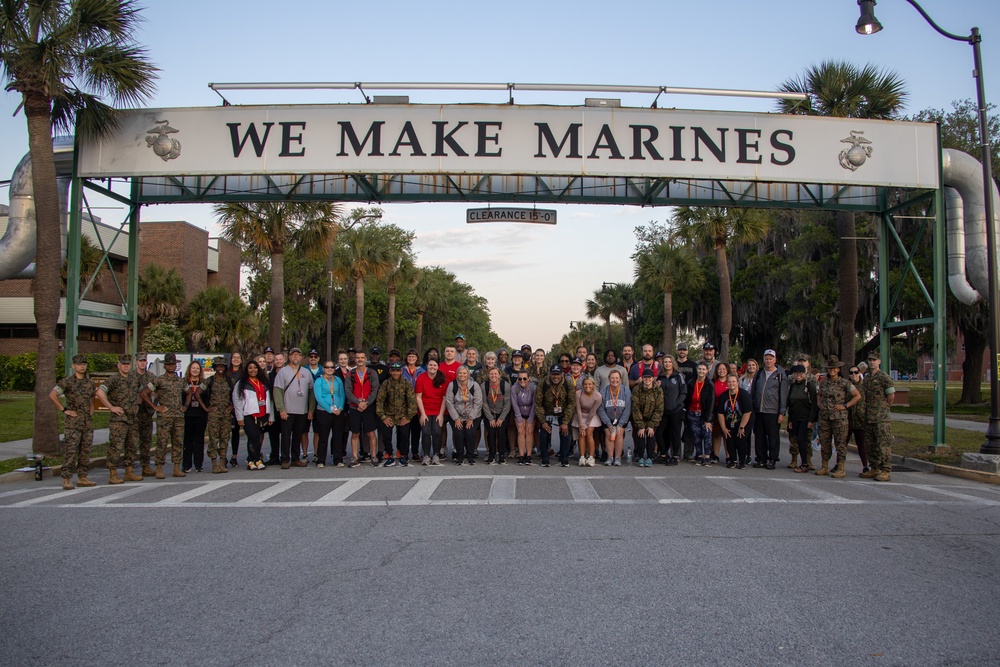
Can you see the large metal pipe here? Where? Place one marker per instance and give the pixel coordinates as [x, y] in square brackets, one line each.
[957, 281]
[17, 247]
[964, 173]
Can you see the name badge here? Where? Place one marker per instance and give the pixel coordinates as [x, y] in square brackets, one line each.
[557, 410]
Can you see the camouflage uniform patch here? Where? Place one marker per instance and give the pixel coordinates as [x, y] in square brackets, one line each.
[78, 431]
[170, 424]
[220, 419]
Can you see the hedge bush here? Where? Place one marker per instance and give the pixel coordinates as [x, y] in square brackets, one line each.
[17, 371]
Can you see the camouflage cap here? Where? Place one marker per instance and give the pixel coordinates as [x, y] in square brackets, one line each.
[875, 354]
[80, 359]
[124, 358]
[141, 356]
[218, 361]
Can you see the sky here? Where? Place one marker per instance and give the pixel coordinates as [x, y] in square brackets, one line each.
[723, 44]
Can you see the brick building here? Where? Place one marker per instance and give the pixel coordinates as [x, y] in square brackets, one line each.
[201, 261]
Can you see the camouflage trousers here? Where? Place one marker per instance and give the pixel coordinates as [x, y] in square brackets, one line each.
[878, 444]
[834, 430]
[76, 450]
[219, 429]
[123, 444]
[144, 424]
[169, 435]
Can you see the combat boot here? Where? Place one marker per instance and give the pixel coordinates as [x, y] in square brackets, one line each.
[795, 458]
[82, 480]
[222, 464]
[825, 469]
[147, 471]
[67, 484]
[113, 476]
[871, 474]
[159, 471]
[882, 476]
[178, 472]
[130, 475]
[215, 466]
[839, 472]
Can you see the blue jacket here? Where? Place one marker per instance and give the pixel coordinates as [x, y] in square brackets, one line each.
[324, 400]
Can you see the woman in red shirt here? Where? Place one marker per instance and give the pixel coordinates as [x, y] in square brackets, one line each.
[430, 389]
[721, 387]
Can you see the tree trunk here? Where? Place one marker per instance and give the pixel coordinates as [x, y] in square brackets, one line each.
[847, 231]
[277, 306]
[607, 334]
[391, 334]
[725, 300]
[359, 311]
[48, 265]
[420, 331]
[976, 343]
[668, 322]
[627, 330]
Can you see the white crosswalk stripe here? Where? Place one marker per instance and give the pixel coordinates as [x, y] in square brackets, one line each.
[456, 490]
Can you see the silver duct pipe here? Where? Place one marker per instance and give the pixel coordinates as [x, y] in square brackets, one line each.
[17, 247]
[957, 281]
[964, 173]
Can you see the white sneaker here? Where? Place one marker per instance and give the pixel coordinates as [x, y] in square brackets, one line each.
[583, 461]
[320, 465]
[590, 461]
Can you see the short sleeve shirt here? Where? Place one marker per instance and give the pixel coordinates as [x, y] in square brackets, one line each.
[79, 395]
[123, 392]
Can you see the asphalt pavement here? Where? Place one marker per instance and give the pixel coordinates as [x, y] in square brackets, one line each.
[490, 565]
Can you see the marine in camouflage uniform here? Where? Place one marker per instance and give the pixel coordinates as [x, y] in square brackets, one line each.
[395, 405]
[143, 418]
[170, 417]
[220, 414]
[78, 436]
[878, 389]
[120, 394]
[836, 396]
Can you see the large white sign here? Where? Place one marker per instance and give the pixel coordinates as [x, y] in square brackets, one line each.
[501, 139]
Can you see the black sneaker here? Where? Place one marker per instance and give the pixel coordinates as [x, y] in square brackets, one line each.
[758, 464]
[527, 460]
[502, 461]
[545, 464]
[562, 464]
[472, 462]
[730, 465]
[770, 465]
[741, 465]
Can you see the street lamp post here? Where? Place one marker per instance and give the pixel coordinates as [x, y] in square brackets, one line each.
[868, 25]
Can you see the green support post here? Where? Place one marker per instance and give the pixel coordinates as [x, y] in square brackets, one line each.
[940, 312]
[132, 295]
[73, 242]
[883, 288]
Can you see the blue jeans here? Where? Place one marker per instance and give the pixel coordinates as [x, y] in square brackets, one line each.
[700, 435]
[565, 443]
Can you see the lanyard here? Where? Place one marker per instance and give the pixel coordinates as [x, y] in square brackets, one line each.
[494, 393]
[614, 399]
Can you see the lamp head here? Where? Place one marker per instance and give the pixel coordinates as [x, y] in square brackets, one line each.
[867, 24]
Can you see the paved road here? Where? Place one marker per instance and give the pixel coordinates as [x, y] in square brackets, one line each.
[502, 565]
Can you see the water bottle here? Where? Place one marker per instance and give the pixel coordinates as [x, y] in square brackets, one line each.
[628, 456]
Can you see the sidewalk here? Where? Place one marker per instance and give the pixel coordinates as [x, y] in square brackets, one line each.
[928, 420]
[22, 448]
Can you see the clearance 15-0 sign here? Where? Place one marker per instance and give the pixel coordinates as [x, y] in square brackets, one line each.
[515, 140]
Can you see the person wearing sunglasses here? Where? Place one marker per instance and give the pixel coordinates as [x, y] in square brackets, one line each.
[330, 418]
[522, 404]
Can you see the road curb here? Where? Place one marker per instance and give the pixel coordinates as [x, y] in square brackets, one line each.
[10, 477]
[941, 469]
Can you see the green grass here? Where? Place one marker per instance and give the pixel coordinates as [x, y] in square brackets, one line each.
[17, 414]
[914, 440]
[922, 401]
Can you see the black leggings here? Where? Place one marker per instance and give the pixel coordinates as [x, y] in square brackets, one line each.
[644, 444]
[738, 449]
[330, 428]
[496, 438]
[668, 434]
[465, 441]
[194, 439]
[234, 437]
[254, 427]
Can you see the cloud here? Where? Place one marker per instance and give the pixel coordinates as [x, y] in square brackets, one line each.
[481, 264]
[474, 235]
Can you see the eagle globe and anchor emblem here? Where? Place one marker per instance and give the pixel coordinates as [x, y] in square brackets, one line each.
[163, 145]
[860, 150]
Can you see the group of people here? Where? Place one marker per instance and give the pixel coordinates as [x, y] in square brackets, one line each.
[357, 409]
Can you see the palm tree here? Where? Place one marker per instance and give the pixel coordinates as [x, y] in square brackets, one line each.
[220, 320]
[271, 228]
[161, 293]
[430, 294]
[600, 308]
[713, 228]
[367, 251]
[402, 272]
[622, 301]
[841, 89]
[668, 267]
[91, 266]
[62, 56]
